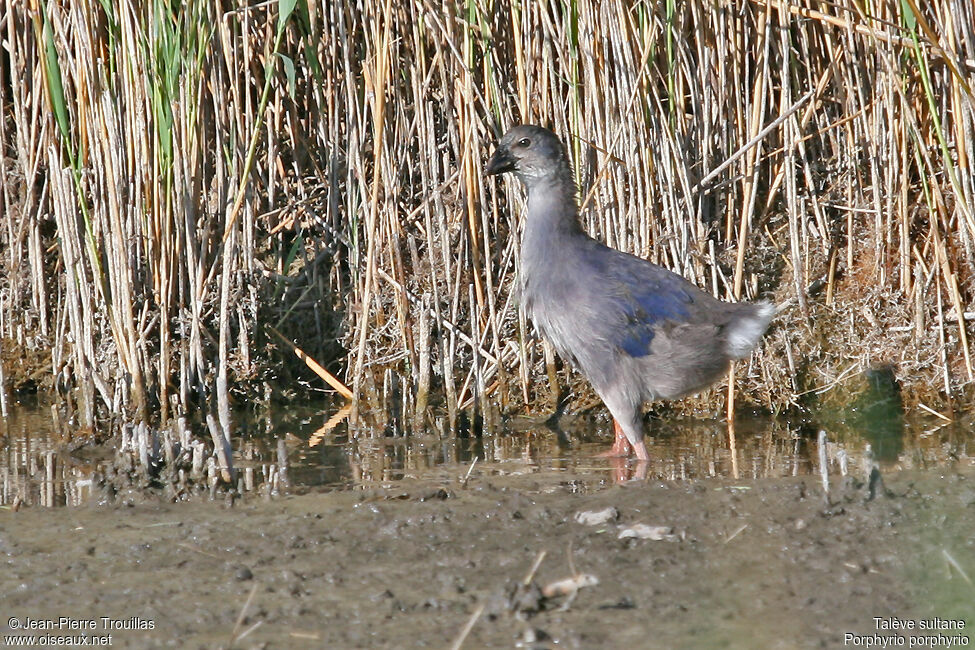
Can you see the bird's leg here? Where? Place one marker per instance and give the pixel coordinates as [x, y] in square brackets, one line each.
[621, 446]
[622, 471]
[642, 454]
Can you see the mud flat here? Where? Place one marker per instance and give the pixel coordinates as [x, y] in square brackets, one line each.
[717, 563]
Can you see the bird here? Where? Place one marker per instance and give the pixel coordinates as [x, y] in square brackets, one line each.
[638, 332]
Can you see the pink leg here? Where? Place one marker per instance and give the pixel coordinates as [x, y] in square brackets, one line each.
[642, 454]
[622, 472]
[621, 446]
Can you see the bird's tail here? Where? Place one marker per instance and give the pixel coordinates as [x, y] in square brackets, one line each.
[748, 329]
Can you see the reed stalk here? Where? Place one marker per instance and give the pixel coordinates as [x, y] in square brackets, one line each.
[176, 177]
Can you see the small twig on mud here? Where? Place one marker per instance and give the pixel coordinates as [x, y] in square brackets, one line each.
[234, 636]
[467, 628]
[249, 630]
[736, 533]
[467, 476]
[954, 563]
[531, 572]
[161, 523]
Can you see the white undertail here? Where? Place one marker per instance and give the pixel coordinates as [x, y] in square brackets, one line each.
[749, 330]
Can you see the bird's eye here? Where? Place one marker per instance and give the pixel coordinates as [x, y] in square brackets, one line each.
[524, 142]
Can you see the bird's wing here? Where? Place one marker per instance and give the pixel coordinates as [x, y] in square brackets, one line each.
[643, 297]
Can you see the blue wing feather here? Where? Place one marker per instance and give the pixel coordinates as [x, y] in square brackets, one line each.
[647, 297]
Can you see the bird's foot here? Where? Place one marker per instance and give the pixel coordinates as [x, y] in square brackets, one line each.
[621, 446]
[616, 451]
[618, 456]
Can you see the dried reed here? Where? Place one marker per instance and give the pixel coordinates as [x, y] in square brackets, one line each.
[177, 176]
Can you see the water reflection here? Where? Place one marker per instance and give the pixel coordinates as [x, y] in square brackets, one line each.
[878, 413]
[35, 469]
[304, 447]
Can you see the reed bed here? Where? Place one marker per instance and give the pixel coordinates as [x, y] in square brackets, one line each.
[183, 180]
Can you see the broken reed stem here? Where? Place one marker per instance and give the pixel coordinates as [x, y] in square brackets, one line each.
[316, 367]
[236, 634]
[534, 568]
[378, 128]
[702, 185]
[468, 626]
[823, 463]
[3, 378]
[732, 437]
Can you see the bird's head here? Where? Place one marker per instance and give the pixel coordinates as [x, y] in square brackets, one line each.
[531, 152]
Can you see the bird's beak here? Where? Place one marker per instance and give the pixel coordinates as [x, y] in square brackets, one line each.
[500, 162]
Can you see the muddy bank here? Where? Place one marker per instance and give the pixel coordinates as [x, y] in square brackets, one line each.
[763, 563]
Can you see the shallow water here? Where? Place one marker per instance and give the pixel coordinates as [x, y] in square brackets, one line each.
[323, 451]
[392, 547]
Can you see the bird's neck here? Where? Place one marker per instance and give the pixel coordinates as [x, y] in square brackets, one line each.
[552, 209]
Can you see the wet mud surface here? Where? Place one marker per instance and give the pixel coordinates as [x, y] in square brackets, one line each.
[758, 563]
